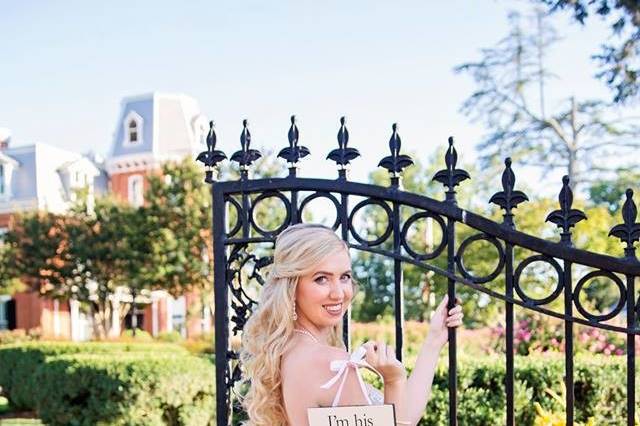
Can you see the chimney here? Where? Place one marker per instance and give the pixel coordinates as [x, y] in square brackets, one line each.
[5, 137]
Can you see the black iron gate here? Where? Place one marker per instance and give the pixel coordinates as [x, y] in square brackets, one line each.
[240, 252]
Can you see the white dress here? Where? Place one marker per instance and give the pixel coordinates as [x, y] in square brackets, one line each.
[376, 397]
[342, 368]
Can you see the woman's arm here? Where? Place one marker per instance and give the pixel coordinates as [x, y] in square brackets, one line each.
[418, 387]
[420, 380]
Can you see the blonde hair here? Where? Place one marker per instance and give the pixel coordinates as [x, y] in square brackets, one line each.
[267, 333]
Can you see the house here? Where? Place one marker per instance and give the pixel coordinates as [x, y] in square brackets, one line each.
[151, 129]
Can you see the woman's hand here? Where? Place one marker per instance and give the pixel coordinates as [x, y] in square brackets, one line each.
[438, 333]
[382, 357]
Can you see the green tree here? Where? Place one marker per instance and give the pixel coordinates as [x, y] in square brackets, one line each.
[178, 214]
[610, 192]
[110, 250]
[36, 249]
[618, 59]
[581, 138]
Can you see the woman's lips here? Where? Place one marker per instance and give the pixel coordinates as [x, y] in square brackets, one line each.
[335, 309]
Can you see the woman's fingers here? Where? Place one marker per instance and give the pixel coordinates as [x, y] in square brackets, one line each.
[455, 310]
[382, 353]
[371, 356]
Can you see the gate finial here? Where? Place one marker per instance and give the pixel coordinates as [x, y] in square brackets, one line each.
[210, 158]
[629, 231]
[395, 162]
[508, 198]
[565, 217]
[343, 155]
[245, 156]
[451, 177]
[293, 153]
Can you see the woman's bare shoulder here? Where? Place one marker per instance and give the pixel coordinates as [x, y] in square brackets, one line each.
[306, 356]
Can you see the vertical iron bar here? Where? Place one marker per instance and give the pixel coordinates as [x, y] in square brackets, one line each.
[221, 335]
[397, 275]
[509, 375]
[631, 351]
[343, 211]
[568, 337]
[246, 220]
[451, 291]
[294, 198]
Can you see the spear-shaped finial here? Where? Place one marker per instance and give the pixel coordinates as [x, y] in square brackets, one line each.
[395, 162]
[451, 177]
[293, 153]
[629, 231]
[245, 156]
[343, 155]
[210, 158]
[565, 217]
[508, 198]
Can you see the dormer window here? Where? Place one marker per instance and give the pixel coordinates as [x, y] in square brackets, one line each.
[132, 129]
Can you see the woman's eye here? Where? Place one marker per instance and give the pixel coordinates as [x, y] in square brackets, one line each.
[321, 280]
[346, 277]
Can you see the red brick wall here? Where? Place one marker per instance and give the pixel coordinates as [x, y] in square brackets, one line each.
[34, 311]
[119, 184]
[5, 218]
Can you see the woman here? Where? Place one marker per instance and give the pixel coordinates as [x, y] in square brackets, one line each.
[295, 333]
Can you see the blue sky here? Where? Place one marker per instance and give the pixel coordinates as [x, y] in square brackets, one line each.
[66, 66]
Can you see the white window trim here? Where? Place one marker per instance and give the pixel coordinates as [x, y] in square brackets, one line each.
[8, 165]
[125, 127]
[130, 187]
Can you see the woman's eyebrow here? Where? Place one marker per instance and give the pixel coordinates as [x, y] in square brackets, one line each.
[348, 271]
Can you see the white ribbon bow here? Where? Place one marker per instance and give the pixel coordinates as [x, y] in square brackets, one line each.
[355, 361]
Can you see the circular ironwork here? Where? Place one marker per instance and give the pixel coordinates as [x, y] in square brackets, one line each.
[460, 254]
[323, 194]
[386, 232]
[591, 275]
[287, 207]
[238, 208]
[405, 229]
[528, 261]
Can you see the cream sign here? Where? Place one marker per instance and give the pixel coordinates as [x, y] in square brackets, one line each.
[359, 415]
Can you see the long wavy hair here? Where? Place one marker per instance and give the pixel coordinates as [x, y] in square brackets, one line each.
[269, 329]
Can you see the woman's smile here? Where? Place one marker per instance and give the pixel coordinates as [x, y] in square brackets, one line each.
[334, 310]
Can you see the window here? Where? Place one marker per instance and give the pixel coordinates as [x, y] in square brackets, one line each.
[132, 128]
[7, 313]
[133, 131]
[2, 191]
[136, 190]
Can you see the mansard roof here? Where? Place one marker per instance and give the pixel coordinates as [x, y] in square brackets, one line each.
[166, 126]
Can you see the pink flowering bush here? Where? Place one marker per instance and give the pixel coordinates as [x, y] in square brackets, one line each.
[537, 333]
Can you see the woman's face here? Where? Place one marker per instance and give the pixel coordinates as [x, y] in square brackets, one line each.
[324, 295]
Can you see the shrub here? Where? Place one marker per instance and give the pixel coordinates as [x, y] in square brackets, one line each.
[600, 390]
[125, 389]
[19, 361]
[18, 336]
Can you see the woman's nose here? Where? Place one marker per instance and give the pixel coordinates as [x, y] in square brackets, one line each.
[337, 292]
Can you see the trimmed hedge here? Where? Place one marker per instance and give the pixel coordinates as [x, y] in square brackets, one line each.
[135, 389]
[600, 390]
[19, 361]
[114, 384]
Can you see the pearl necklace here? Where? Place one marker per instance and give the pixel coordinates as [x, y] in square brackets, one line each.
[308, 333]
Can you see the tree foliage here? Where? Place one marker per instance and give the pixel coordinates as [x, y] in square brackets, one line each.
[617, 59]
[581, 137]
[423, 289]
